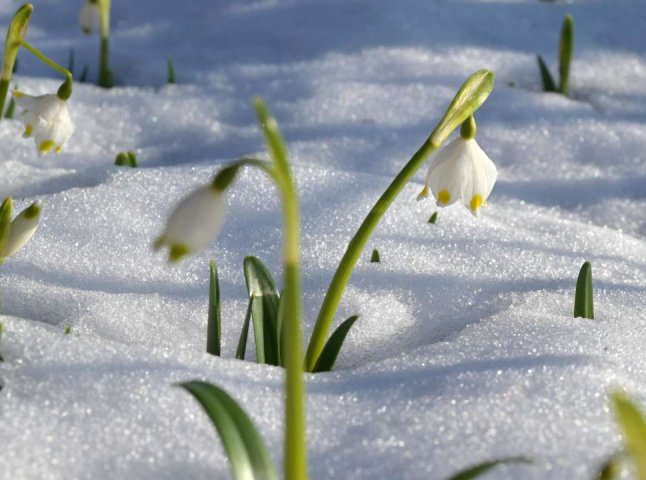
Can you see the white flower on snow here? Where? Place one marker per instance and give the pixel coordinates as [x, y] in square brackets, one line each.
[90, 16]
[47, 119]
[194, 223]
[22, 229]
[461, 170]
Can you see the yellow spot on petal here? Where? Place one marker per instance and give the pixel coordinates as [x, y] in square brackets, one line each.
[423, 193]
[476, 202]
[58, 149]
[444, 197]
[45, 146]
[17, 93]
[29, 129]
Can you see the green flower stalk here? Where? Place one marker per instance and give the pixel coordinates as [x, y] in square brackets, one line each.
[96, 13]
[198, 219]
[469, 98]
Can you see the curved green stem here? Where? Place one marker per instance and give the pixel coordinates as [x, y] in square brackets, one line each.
[471, 95]
[352, 253]
[65, 91]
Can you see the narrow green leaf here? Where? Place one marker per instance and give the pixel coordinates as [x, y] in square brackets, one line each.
[610, 470]
[10, 108]
[280, 317]
[5, 225]
[171, 70]
[633, 426]
[472, 94]
[583, 301]
[84, 73]
[244, 333]
[546, 76]
[477, 470]
[243, 444]
[375, 258]
[132, 159]
[566, 49]
[327, 359]
[433, 218]
[214, 326]
[264, 309]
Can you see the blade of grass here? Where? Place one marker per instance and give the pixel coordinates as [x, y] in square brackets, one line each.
[477, 470]
[633, 426]
[583, 301]
[244, 446]
[548, 82]
[264, 309]
[171, 70]
[214, 326]
[566, 47]
[244, 333]
[327, 359]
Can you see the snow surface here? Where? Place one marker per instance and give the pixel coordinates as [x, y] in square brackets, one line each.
[466, 349]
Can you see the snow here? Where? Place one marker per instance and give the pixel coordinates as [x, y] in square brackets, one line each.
[466, 349]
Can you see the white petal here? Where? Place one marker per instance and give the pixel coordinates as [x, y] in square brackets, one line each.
[90, 17]
[449, 172]
[22, 229]
[482, 178]
[197, 220]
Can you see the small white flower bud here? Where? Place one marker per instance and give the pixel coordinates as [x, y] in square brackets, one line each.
[22, 229]
[194, 223]
[90, 17]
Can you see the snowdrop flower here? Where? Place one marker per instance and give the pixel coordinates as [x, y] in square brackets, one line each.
[47, 119]
[194, 223]
[90, 16]
[461, 170]
[22, 229]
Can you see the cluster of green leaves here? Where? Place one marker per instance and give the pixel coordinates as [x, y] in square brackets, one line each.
[126, 159]
[265, 312]
[566, 48]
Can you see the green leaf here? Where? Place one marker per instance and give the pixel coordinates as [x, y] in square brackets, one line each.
[546, 76]
[566, 48]
[84, 73]
[375, 258]
[477, 470]
[244, 333]
[242, 443]
[583, 301]
[472, 94]
[433, 218]
[171, 70]
[327, 359]
[132, 157]
[264, 309]
[280, 317]
[5, 225]
[610, 470]
[214, 325]
[633, 426]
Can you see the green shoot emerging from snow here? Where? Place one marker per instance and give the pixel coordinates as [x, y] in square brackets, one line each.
[566, 49]
[583, 300]
[375, 258]
[171, 71]
[95, 14]
[126, 159]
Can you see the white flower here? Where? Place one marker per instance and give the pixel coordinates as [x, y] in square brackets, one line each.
[194, 223]
[461, 170]
[47, 119]
[22, 229]
[90, 17]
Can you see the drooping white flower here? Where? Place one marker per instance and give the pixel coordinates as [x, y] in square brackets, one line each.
[47, 119]
[22, 229]
[194, 223]
[461, 170]
[90, 16]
